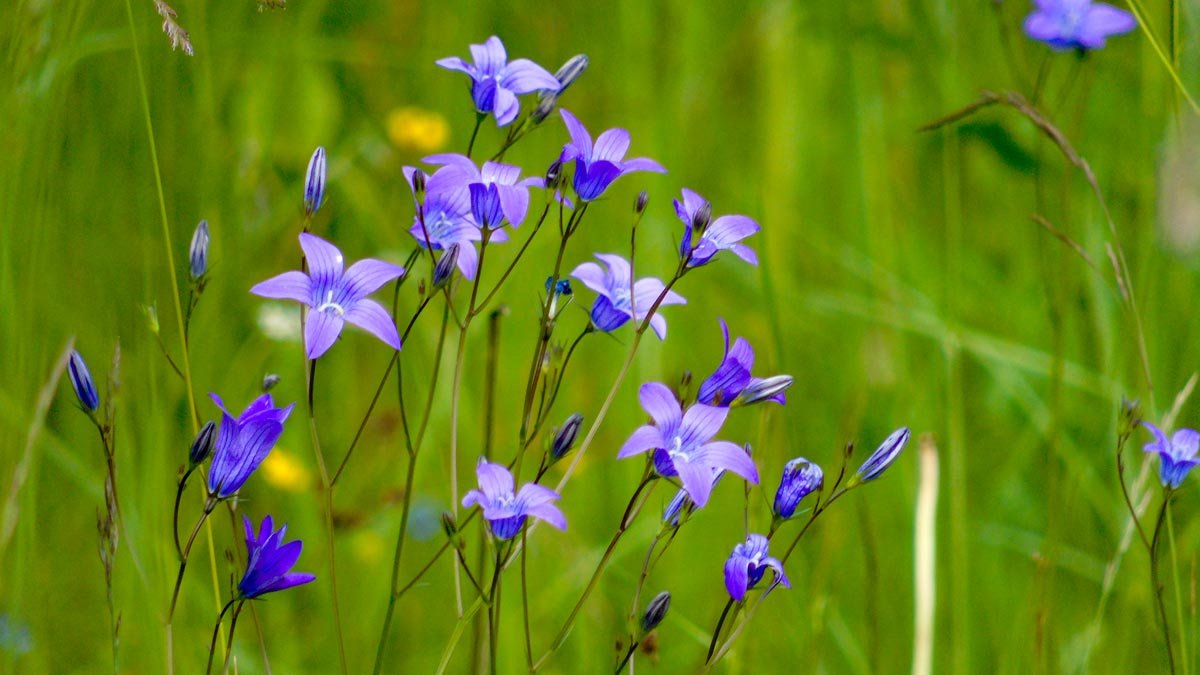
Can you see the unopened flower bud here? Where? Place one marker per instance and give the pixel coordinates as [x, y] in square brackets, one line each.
[418, 182]
[570, 71]
[198, 251]
[800, 479]
[564, 439]
[702, 218]
[202, 446]
[639, 206]
[882, 458]
[443, 271]
[656, 611]
[314, 182]
[269, 382]
[766, 389]
[547, 101]
[554, 175]
[449, 526]
[81, 381]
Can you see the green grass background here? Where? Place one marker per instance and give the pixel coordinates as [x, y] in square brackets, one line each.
[902, 282]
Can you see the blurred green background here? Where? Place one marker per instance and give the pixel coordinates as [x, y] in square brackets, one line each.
[902, 283]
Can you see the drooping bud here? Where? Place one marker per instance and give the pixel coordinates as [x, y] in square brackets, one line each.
[800, 479]
[269, 382]
[570, 71]
[564, 438]
[202, 446]
[81, 381]
[702, 218]
[639, 206]
[766, 389]
[314, 182]
[882, 458]
[198, 251]
[554, 175]
[418, 182]
[656, 611]
[443, 271]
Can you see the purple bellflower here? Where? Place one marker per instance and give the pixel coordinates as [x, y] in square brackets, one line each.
[1177, 454]
[703, 239]
[243, 443]
[732, 377]
[800, 479]
[269, 561]
[445, 220]
[1076, 24]
[496, 191]
[496, 82]
[682, 442]
[82, 383]
[615, 305]
[506, 510]
[597, 166]
[747, 565]
[882, 458]
[335, 295]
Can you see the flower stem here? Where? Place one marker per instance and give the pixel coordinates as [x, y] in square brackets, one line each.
[1156, 584]
[212, 645]
[237, 610]
[525, 604]
[479, 117]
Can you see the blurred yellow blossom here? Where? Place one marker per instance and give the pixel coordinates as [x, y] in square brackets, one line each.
[417, 129]
[368, 546]
[284, 472]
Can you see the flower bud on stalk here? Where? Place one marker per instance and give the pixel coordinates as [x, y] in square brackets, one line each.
[564, 439]
[443, 271]
[639, 206]
[656, 611]
[198, 251]
[82, 383]
[269, 382]
[314, 182]
[202, 446]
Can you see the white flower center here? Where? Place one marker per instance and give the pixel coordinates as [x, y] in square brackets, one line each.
[676, 449]
[330, 306]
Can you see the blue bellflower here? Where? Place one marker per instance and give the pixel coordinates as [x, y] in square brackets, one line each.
[82, 383]
[615, 305]
[882, 458]
[506, 510]
[243, 443]
[800, 479]
[747, 565]
[597, 166]
[1076, 24]
[1177, 454]
[269, 561]
[496, 191]
[733, 377]
[496, 82]
[445, 220]
[335, 295]
[682, 443]
[725, 233]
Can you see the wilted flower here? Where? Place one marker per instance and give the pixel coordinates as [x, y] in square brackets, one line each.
[703, 237]
[243, 443]
[495, 82]
[1177, 454]
[198, 251]
[496, 191]
[682, 442]
[269, 561]
[335, 295]
[505, 511]
[732, 378]
[882, 458]
[747, 565]
[656, 611]
[82, 383]
[800, 479]
[564, 438]
[1076, 24]
[614, 306]
[596, 167]
[202, 446]
[314, 182]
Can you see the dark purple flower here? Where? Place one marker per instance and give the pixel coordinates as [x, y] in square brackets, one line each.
[732, 378]
[800, 479]
[269, 561]
[243, 443]
[1177, 454]
[334, 295]
[882, 458]
[505, 510]
[496, 191]
[1076, 24]
[596, 167]
[682, 442]
[614, 307]
[314, 182]
[496, 82]
[747, 565]
[82, 383]
[703, 236]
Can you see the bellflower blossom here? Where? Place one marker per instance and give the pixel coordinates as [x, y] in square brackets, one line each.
[269, 561]
[882, 458]
[496, 82]
[747, 565]
[335, 296]
[800, 479]
[682, 442]
[505, 510]
[243, 443]
[82, 383]
[613, 308]
[733, 377]
[445, 220]
[681, 501]
[1177, 454]
[597, 166]
[1076, 24]
[496, 191]
[703, 239]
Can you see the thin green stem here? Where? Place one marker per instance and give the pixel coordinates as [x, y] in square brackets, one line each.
[525, 603]
[212, 645]
[1183, 655]
[237, 611]
[1156, 583]
[479, 117]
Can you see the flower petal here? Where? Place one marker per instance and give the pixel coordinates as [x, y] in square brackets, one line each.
[373, 318]
[592, 276]
[324, 260]
[455, 63]
[494, 479]
[697, 479]
[700, 423]
[660, 403]
[643, 438]
[522, 76]
[321, 329]
[489, 56]
[287, 286]
[532, 494]
[731, 457]
[549, 513]
[364, 278]
[580, 139]
[736, 577]
[611, 146]
[506, 107]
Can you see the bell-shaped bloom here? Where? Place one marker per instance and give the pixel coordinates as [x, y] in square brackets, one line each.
[703, 239]
[335, 295]
[682, 442]
[597, 166]
[496, 82]
[733, 377]
[1076, 24]
[269, 561]
[496, 191]
[884, 455]
[445, 220]
[747, 565]
[82, 383]
[615, 304]
[800, 479]
[243, 442]
[506, 510]
[1177, 454]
